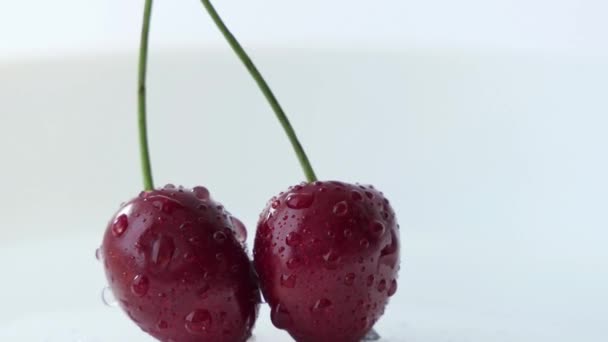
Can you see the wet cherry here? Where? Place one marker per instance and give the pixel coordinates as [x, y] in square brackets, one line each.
[327, 255]
[160, 252]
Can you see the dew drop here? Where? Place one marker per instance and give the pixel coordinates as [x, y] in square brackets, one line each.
[356, 195]
[293, 239]
[169, 186]
[393, 289]
[370, 280]
[300, 200]
[198, 322]
[239, 229]
[201, 192]
[293, 263]
[288, 281]
[162, 251]
[203, 291]
[331, 259]
[321, 304]
[162, 325]
[219, 237]
[369, 195]
[382, 285]
[275, 204]
[281, 318]
[377, 228]
[99, 254]
[107, 297]
[185, 225]
[341, 208]
[348, 233]
[349, 279]
[120, 225]
[364, 243]
[140, 285]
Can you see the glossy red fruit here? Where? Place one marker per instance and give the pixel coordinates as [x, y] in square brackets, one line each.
[175, 261]
[327, 255]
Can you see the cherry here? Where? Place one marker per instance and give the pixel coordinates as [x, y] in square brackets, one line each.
[327, 255]
[175, 261]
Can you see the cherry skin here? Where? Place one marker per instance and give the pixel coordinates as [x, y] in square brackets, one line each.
[176, 263]
[327, 255]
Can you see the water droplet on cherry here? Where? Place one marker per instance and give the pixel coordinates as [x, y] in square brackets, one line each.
[201, 192]
[300, 200]
[281, 318]
[293, 239]
[341, 208]
[198, 322]
[120, 225]
[288, 281]
[107, 297]
[140, 285]
[162, 251]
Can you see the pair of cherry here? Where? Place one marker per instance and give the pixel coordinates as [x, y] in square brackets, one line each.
[325, 257]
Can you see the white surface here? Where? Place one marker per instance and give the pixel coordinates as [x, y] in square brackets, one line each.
[495, 164]
[75, 26]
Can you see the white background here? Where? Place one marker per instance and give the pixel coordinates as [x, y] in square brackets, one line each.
[484, 122]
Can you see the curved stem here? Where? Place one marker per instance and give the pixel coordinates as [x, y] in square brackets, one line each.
[141, 99]
[259, 79]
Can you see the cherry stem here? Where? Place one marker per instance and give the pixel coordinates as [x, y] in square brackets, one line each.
[141, 98]
[259, 79]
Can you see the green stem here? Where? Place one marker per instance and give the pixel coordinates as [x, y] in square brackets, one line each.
[259, 79]
[141, 99]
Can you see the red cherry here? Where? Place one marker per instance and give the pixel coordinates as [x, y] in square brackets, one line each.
[175, 263]
[327, 255]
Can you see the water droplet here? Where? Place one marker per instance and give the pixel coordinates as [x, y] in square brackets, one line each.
[356, 195]
[332, 259]
[189, 257]
[203, 291]
[185, 225]
[275, 204]
[202, 207]
[169, 186]
[166, 204]
[341, 208]
[349, 279]
[348, 233]
[370, 280]
[120, 225]
[393, 289]
[293, 263]
[162, 251]
[293, 239]
[219, 237]
[198, 322]
[300, 200]
[364, 243]
[382, 285]
[195, 240]
[321, 304]
[239, 229]
[99, 254]
[372, 335]
[161, 325]
[288, 281]
[377, 228]
[219, 257]
[140, 285]
[369, 195]
[107, 297]
[201, 192]
[281, 318]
